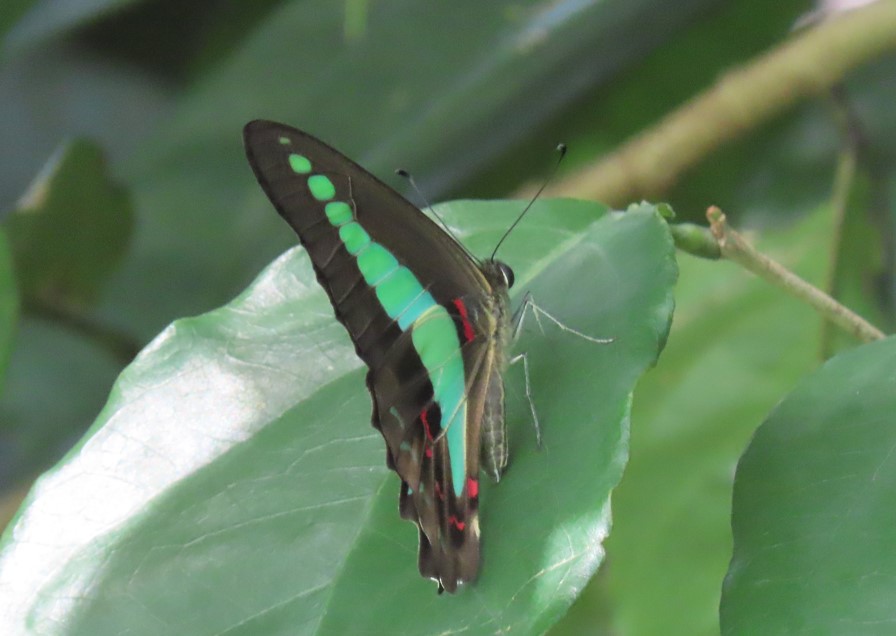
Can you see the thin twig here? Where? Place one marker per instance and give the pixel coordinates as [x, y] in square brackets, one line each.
[736, 249]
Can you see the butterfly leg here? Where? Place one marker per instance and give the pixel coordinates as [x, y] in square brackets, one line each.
[524, 357]
[517, 320]
[519, 317]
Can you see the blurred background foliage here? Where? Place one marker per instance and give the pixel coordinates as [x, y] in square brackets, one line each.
[121, 120]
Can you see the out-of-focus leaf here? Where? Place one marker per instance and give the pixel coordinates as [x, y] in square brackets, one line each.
[177, 42]
[519, 60]
[57, 380]
[56, 383]
[68, 233]
[9, 305]
[863, 240]
[60, 92]
[814, 539]
[70, 230]
[240, 451]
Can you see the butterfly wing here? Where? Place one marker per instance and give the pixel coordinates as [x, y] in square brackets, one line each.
[449, 525]
[416, 308]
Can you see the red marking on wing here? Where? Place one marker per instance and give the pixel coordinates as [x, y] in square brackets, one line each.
[424, 417]
[472, 487]
[428, 451]
[460, 525]
[469, 334]
[439, 492]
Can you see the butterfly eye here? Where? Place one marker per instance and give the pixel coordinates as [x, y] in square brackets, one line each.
[507, 273]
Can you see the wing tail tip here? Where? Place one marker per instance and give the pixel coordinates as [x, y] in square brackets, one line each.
[449, 569]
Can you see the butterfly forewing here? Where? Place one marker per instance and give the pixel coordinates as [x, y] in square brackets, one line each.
[422, 316]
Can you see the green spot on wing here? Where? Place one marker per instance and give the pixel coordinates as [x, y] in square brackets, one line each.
[436, 342]
[419, 306]
[405, 300]
[376, 263]
[398, 291]
[284, 141]
[321, 187]
[435, 338]
[338, 212]
[299, 163]
[354, 237]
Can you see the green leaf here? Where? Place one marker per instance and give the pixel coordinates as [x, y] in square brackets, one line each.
[9, 305]
[736, 346]
[233, 481]
[814, 540]
[70, 229]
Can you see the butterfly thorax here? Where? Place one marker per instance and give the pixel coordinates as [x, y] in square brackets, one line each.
[493, 434]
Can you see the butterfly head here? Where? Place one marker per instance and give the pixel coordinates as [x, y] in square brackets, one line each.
[498, 273]
[506, 272]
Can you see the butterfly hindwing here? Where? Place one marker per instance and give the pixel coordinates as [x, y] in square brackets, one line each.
[423, 316]
[448, 522]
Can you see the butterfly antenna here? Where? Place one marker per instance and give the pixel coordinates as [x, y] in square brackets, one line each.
[561, 148]
[401, 172]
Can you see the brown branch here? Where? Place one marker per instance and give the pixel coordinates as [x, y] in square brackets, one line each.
[809, 63]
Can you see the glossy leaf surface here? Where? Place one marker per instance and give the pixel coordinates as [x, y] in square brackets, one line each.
[233, 481]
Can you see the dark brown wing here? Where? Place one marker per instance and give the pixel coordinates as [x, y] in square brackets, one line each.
[405, 393]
